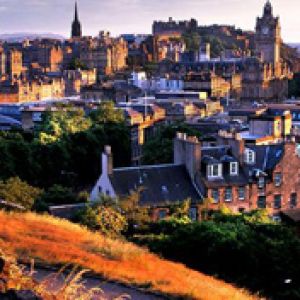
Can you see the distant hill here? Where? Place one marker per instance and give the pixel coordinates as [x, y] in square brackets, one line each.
[21, 36]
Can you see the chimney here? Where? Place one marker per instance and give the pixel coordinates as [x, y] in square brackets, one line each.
[107, 161]
[187, 152]
[238, 147]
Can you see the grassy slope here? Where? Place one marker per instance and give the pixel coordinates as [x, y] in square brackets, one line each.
[57, 241]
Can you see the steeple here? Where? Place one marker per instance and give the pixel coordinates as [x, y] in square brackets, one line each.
[268, 9]
[76, 13]
[76, 26]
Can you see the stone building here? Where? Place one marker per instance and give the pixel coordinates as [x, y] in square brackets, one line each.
[32, 90]
[75, 80]
[265, 77]
[239, 173]
[14, 64]
[106, 54]
[214, 85]
[50, 58]
[172, 26]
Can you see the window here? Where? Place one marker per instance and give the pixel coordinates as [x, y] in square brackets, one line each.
[261, 182]
[228, 194]
[107, 193]
[249, 156]
[193, 213]
[278, 179]
[234, 168]
[215, 195]
[241, 193]
[277, 201]
[276, 219]
[162, 214]
[261, 202]
[293, 200]
[100, 189]
[215, 171]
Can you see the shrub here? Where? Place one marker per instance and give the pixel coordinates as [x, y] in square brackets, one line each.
[16, 191]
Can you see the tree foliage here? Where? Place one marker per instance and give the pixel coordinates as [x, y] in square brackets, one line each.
[159, 149]
[247, 249]
[104, 217]
[192, 41]
[66, 149]
[64, 121]
[16, 191]
[76, 64]
[107, 113]
[57, 195]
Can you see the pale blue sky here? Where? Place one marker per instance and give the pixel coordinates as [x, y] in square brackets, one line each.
[136, 16]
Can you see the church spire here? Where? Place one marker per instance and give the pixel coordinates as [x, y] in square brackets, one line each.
[268, 9]
[76, 12]
[76, 26]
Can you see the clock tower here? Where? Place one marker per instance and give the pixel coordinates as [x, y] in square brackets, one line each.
[268, 36]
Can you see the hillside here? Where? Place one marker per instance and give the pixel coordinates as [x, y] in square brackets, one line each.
[57, 241]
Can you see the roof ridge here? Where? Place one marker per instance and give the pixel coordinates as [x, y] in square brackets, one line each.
[148, 167]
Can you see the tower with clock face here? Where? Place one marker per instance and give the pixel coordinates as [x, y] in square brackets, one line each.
[268, 36]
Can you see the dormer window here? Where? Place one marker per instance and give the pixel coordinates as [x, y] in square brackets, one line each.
[249, 157]
[214, 171]
[234, 169]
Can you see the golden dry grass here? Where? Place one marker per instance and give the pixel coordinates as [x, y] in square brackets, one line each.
[58, 241]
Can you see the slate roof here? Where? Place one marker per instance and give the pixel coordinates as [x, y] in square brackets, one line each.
[5, 120]
[161, 184]
[217, 152]
[225, 181]
[267, 157]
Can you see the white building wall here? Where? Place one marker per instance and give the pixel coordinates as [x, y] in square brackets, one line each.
[103, 184]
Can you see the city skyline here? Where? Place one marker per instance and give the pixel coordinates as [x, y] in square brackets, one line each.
[113, 16]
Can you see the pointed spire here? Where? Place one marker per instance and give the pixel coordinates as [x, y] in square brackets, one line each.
[268, 10]
[76, 12]
[76, 26]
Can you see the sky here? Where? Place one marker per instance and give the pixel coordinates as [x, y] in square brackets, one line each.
[136, 16]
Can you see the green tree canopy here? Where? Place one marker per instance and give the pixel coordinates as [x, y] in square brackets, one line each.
[18, 192]
[103, 218]
[63, 121]
[107, 113]
[57, 195]
[160, 148]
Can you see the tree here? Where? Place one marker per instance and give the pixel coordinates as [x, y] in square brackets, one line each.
[66, 120]
[181, 209]
[217, 46]
[57, 195]
[204, 208]
[103, 218]
[253, 253]
[159, 150]
[192, 41]
[107, 113]
[135, 215]
[76, 64]
[18, 192]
